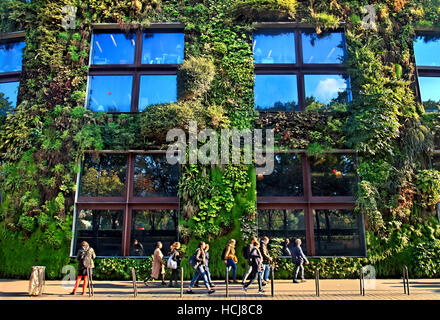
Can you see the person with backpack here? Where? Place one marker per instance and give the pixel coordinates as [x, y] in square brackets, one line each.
[230, 259]
[298, 258]
[197, 261]
[256, 259]
[85, 257]
[158, 267]
[206, 267]
[246, 254]
[175, 258]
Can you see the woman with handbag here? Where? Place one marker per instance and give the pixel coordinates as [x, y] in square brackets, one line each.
[174, 263]
[231, 259]
[158, 267]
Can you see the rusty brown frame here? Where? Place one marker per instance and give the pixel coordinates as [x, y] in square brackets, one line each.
[298, 68]
[128, 203]
[137, 69]
[308, 202]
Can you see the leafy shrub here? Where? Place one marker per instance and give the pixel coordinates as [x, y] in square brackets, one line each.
[428, 184]
[426, 259]
[264, 9]
[195, 76]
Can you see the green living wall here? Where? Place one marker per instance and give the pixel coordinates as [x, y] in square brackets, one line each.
[43, 139]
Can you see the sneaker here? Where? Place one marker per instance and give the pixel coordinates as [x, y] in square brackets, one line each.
[264, 284]
[189, 292]
[146, 283]
[303, 280]
[164, 283]
[211, 291]
[73, 292]
[212, 285]
[295, 281]
[244, 289]
[261, 291]
[196, 285]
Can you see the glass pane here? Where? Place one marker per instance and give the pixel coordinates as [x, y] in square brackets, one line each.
[323, 48]
[276, 92]
[283, 224]
[113, 48]
[110, 93]
[10, 92]
[103, 176]
[102, 229]
[153, 176]
[157, 89]
[436, 162]
[163, 48]
[325, 90]
[338, 233]
[274, 47]
[150, 226]
[286, 178]
[426, 50]
[11, 55]
[333, 175]
[430, 93]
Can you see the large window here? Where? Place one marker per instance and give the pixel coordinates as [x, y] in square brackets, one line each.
[426, 47]
[126, 197]
[299, 69]
[131, 71]
[11, 54]
[312, 198]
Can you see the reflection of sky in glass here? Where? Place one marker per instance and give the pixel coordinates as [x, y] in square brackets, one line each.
[110, 93]
[427, 53]
[324, 88]
[163, 48]
[276, 92]
[274, 47]
[157, 89]
[328, 49]
[11, 55]
[430, 93]
[113, 48]
[10, 90]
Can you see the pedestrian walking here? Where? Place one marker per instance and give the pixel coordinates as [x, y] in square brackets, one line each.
[197, 261]
[267, 259]
[206, 267]
[247, 255]
[158, 266]
[138, 248]
[174, 256]
[298, 259]
[85, 257]
[286, 249]
[230, 259]
[256, 259]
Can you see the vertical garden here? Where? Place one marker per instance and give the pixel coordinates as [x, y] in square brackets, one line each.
[49, 131]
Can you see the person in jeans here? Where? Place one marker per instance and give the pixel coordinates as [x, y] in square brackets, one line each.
[256, 259]
[198, 264]
[85, 257]
[175, 255]
[231, 259]
[248, 250]
[206, 267]
[267, 260]
[298, 259]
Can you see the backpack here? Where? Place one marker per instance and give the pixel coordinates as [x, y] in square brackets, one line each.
[224, 253]
[247, 252]
[85, 258]
[192, 260]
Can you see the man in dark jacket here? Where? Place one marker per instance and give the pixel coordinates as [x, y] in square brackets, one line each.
[298, 259]
[267, 260]
[256, 261]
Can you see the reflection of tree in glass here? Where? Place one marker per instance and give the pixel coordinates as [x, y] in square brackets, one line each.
[330, 223]
[154, 176]
[281, 220]
[431, 106]
[279, 106]
[5, 104]
[154, 220]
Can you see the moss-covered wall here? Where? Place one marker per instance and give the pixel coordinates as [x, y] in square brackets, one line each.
[44, 138]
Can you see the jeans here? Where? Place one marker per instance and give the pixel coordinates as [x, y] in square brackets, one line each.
[298, 267]
[253, 275]
[247, 273]
[200, 272]
[208, 276]
[266, 272]
[231, 263]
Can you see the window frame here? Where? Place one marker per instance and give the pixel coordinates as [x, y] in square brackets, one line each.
[298, 68]
[137, 69]
[14, 76]
[127, 204]
[308, 202]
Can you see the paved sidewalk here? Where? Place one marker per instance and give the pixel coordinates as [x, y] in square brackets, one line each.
[389, 289]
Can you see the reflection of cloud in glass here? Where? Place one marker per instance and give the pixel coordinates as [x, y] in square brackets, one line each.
[429, 88]
[324, 88]
[10, 56]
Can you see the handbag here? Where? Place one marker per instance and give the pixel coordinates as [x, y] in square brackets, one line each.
[171, 263]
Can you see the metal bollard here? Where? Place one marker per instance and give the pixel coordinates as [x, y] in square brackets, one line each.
[317, 281]
[272, 290]
[90, 282]
[227, 282]
[405, 280]
[133, 276]
[181, 282]
[362, 282]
